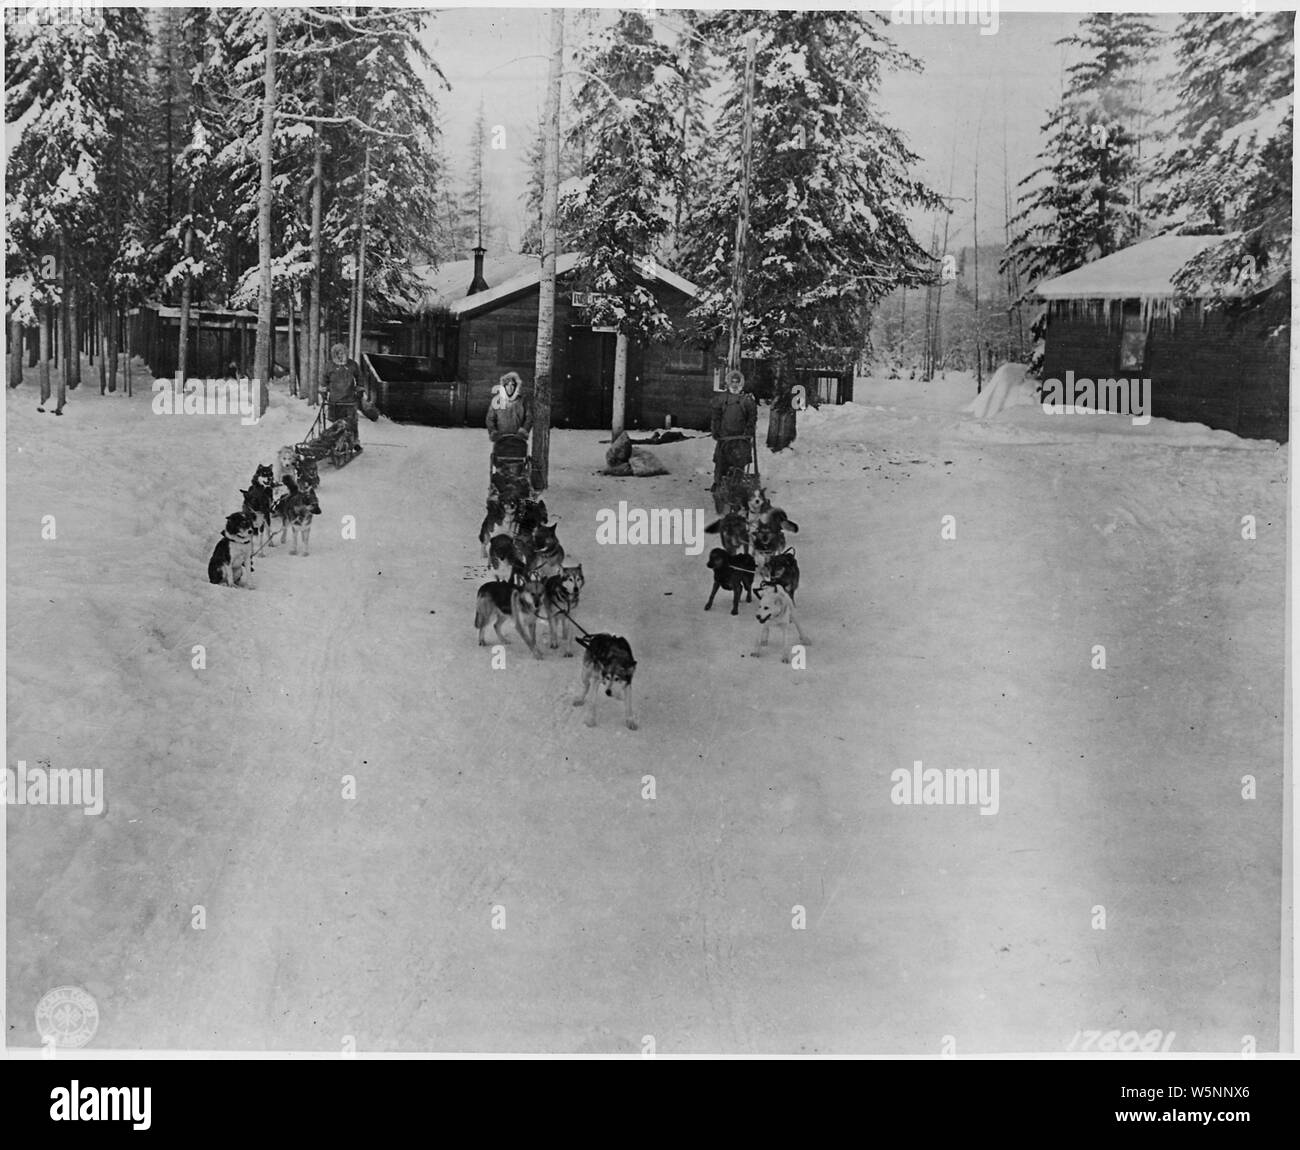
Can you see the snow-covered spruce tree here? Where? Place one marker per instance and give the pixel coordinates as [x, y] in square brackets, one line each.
[1077, 203]
[381, 104]
[828, 234]
[1229, 169]
[355, 84]
[186, 242]
[687, 106]
[623, 212]
[69, 94]
[624, 208]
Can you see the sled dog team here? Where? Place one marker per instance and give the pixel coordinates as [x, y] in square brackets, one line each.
[534, 582]
[752, 534]
[281, 494]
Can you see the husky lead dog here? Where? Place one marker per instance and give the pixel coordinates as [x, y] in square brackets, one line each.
[496, 601]
[233, 554]
[776, 610]
[556, 602]
[608, 664]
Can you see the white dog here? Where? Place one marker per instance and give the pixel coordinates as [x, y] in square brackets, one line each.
[776, 609]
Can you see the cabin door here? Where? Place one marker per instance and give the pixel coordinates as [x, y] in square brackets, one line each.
[589, 394]
[590, 383]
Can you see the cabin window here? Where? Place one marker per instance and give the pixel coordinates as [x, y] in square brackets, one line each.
[686, 360]
[518, 344]
[1133, 340]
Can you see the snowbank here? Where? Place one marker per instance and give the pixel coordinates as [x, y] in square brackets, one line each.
[1009, 387]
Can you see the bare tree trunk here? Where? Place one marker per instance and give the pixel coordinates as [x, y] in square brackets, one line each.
[74, 335]
[102, 334]
[947, 221]
[544, 364]
[43, 362]
[62, 390]
[350, 337]
[305, 385]
[61, 332]
[314, 316]
[262, 348]
[620, 384]
[113, 324]
[742, 210]
[979, 367]
[361, 261]
[15, 351]
[927, 354]
[187, 292]
[293, 350]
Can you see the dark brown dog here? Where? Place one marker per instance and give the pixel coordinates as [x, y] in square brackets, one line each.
[734, 573]
[733, 530]
[783, 570]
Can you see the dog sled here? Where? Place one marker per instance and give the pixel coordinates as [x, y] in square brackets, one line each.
[738, 478]
[510, 470]
[330, 439]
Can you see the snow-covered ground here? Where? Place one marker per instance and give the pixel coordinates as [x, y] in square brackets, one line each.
[500, 882]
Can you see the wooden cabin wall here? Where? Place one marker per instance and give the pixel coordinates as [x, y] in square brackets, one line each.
[505, 339]
[1211, 367]
[214, 345]
[677, 379]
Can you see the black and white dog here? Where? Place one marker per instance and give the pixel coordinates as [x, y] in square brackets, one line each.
[233, 554]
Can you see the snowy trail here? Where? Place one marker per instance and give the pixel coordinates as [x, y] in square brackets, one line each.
[372, 916]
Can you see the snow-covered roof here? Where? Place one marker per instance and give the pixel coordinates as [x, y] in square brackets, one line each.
[1142, 271]
[448, 283]
[506, 276]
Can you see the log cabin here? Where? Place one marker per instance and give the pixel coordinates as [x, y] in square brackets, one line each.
[1119, 317]
[457, 343]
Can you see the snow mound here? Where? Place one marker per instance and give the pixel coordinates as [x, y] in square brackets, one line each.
[1007, 388]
